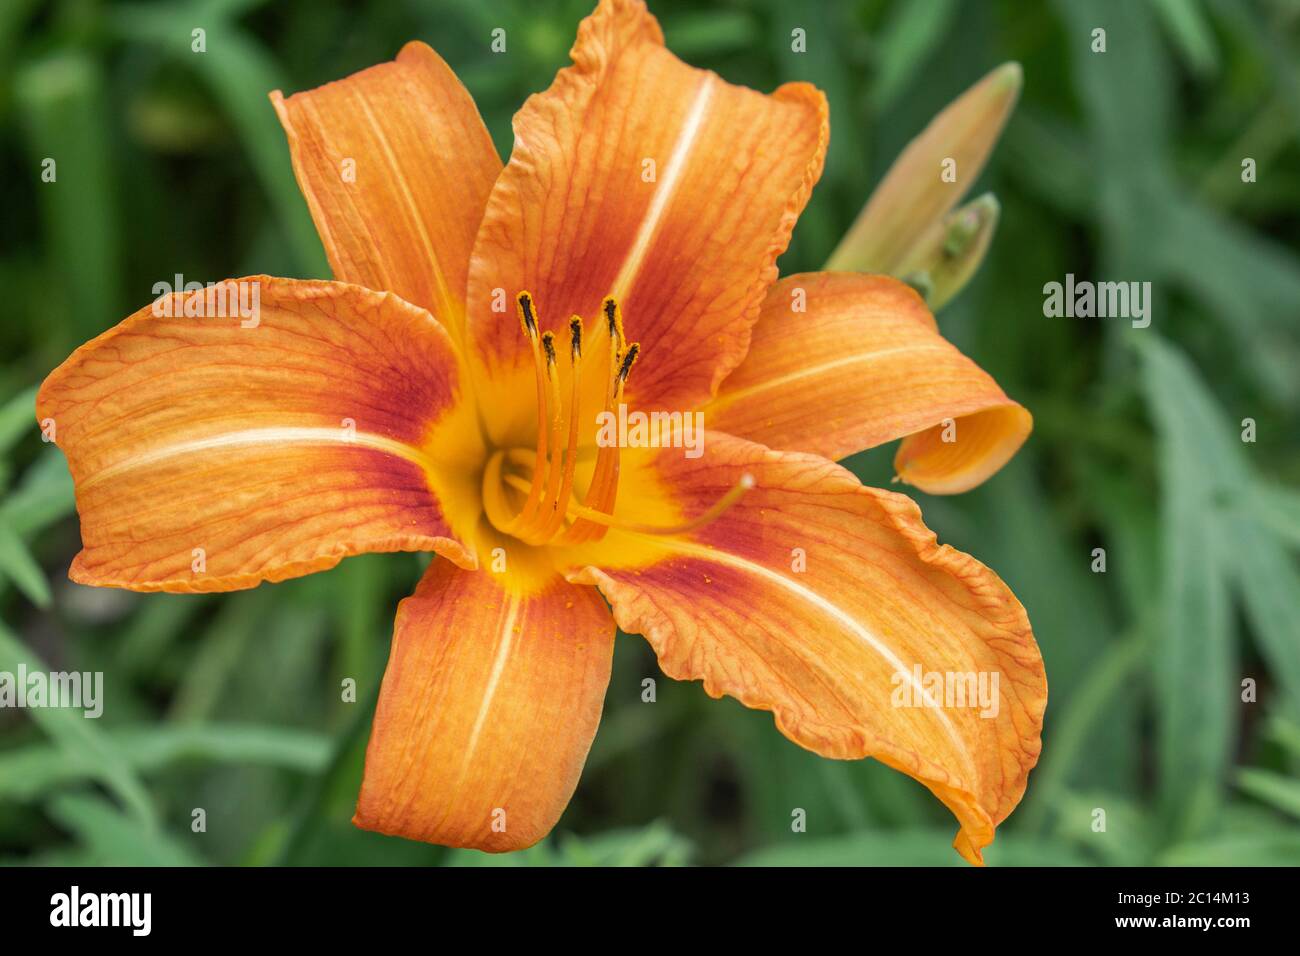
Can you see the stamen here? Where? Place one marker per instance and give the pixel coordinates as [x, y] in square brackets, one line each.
[603, 490]
[528, 318]
[606, 467]
[575, 343]
[706, 517]
[550, 499]
[561, 503]
[526, 315]
[554, 464]
[613, 320]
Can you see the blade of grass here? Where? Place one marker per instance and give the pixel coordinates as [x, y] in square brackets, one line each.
[32, 771]
[114, 839]
[61, 99]
[17, 417]
[908, 37]
[18, 565]
[1184, 21]
[1282, 793]
[81, 741]
[1278, 509]
[1085, 712]
[43, 496]
[1195, 660]
[241, 74]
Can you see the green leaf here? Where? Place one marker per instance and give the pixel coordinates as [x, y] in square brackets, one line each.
[241, 74]
[1277, 509]
[84, 746]
[18, 565]
[654, 845]
[160, 622]
[1266, 578]
[17, 417]
[1084, 713]
[908, 847]
[359, 601]
[32, 771]
[1275, 848]
[1217, 478]
[1286, 733]
[709, 33]
[61, 98]
[909, 37]
[114, 839]
[1272, 788]
[1128, 126]
[1249, 284]
[338, 769]
[1184, 21]
[218, 655]
[1123, 836]
[541, 854]
[1194, 656]
[12, 20]
[43, 496]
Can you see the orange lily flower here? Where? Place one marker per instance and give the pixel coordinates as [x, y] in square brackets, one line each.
[443, 395]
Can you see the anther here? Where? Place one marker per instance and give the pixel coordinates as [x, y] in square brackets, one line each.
[526, 316]
[613, 323]
[625, 369]
[575, 338]
[550, 498]
[603, 490]
[610, 307]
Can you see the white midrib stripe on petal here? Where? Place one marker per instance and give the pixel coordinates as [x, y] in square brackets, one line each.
[412, 210]
[665, 188]
[810, 371]
[506, 639]
[838, 614]
[250, 437]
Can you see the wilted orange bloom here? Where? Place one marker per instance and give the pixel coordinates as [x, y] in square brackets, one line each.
[443, 395]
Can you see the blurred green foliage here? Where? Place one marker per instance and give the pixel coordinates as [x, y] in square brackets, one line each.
[1117, 166]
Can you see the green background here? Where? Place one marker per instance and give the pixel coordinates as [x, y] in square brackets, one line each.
[1116, 166]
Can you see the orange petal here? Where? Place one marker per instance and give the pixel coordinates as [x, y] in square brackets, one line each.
[863, 365]
[396, 166]
[212, 453]
[488, 709]
[638, 176]
[822, 600]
